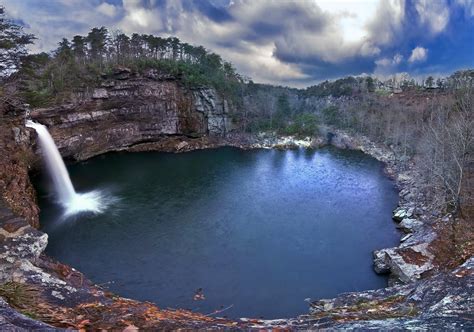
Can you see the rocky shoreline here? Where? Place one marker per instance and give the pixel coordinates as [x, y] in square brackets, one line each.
[406, 263]
[164, 117]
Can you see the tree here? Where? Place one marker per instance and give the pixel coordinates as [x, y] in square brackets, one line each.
[448, 147]
[64, 51]
[305, 124]
[429, 82]
[13, 42]
[136, 45]
[439, 83]
[97, 39]
[121, 45]
[331, 115]
[283, 110]
[370, 84]
[174, 46]
[79, 48]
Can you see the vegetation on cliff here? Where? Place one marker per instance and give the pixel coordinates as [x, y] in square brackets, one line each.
[13, 41]
[48, 79]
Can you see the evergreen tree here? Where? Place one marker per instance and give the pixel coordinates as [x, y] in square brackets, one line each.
[370, 84]
[121, 47]
[439, 83]
[283, 111]
[64, 50]
[13, 42]
[97, 38]
[429, 81]
[79, 48]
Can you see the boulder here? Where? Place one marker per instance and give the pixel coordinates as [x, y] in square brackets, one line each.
[409, 225]
[181, 145]
[401, 213]
[100, 94]
[12, 320]
[405, 264]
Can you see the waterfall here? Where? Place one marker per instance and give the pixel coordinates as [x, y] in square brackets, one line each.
[67, 197]
[54, 163]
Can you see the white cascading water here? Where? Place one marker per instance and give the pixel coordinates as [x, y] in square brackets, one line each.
[71, 201]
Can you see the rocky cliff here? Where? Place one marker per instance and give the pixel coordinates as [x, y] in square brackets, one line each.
[131, 111]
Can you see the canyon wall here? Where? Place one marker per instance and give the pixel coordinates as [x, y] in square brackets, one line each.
[134, 112]
[129, 110]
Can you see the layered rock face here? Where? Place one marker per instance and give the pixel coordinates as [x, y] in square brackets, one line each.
[129, 110]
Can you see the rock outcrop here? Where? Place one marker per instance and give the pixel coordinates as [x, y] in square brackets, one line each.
[12, 320]
[442, 302]
[129, 110]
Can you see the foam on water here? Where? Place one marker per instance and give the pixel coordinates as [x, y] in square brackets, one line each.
[94, 201]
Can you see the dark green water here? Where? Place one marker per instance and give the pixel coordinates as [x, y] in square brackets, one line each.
[261, 230]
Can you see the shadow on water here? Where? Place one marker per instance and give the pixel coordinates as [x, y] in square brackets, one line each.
[261, 230]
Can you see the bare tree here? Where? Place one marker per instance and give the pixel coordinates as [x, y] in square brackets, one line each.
[447, 148]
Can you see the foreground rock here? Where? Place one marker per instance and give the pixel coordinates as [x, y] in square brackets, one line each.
[11, 320]
[444, 301]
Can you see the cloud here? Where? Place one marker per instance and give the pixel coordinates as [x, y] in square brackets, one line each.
[397, 58]
[418, 54]
[264, 67]
[468, 6]
[52, 20]
[273, 41]
[386, 66]
[107, 9]
[138, 18]
[387, 23]
[434, 14]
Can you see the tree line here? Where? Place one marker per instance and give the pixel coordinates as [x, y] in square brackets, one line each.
[80, 62]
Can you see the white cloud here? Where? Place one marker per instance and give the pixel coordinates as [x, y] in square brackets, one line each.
[387, 23]
[263, 67]
[328, 31]
[386, 66]
[468, 6]
[69, 18]
[351, 17]
[107, 9]
[139, 19]
[434, 14]
[397, 59]
[418, 54]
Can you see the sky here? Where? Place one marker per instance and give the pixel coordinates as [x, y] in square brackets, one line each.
[293, 43]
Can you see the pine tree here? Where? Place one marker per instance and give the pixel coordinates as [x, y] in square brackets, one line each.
[13, 42]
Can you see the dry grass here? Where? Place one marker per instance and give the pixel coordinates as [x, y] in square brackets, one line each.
[19, 296]
[364, 309]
